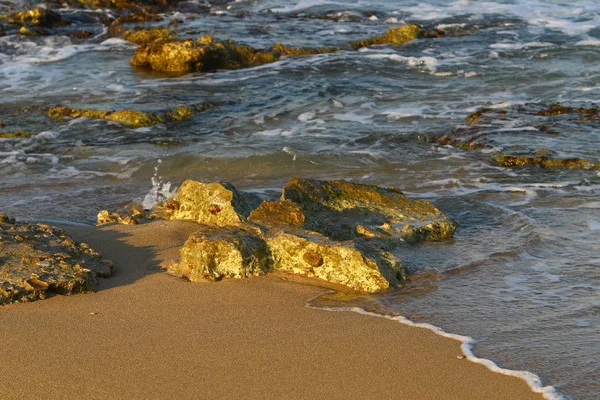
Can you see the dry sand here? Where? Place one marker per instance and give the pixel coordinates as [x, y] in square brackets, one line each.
[145, 334]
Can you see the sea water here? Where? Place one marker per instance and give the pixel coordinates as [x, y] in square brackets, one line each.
[522, 275]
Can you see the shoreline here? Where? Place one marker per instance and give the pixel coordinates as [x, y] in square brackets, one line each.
[148, 334]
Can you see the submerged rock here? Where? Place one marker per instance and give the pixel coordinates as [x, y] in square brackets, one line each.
[38, 16]
[37, 260]
[315, 256]
[343, 210]
[134, 118]
[15, 135]
[206, 203]
[209, 54]
[148, 35]
[512, 135]
[215, 253]
[397, 35]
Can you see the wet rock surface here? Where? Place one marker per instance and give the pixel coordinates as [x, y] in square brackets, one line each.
[208, 54]
[37, 260]
[511, 134]
[336, 231]
[206, 203]
[343, 210]
[134, 118]
[315, 256]
[216, 253]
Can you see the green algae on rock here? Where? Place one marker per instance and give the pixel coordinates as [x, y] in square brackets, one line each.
[216, 253]
[15, 135]
[278, 213]
[37, 16]
[37, 260]
[134, 118]
[206, 203]
[343, 210]
[546, 162]
[209, 54]
[397, 35]
[146, 35]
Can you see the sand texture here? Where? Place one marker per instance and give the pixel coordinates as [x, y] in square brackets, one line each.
[146, 334]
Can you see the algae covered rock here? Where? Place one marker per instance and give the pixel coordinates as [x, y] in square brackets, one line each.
[209, 54]
[37, 260]
[133, 118]
[215, 253]
[344, 210]
[315, 256]
[206, 203]
[397, 35]
[148, 35]
[38, 16]
[513, 135]
[278, 213]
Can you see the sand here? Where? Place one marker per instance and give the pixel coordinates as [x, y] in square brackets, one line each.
[146, 334]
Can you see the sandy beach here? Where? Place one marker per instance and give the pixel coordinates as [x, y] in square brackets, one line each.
[146, 334]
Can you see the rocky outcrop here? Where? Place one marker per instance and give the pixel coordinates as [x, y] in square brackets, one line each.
[217, 204]
[510, 135]
[15, 135]
[215, 253]
[209, 54]
[37, 260]
[148, 35]
[340, 232]
[397, 35]
[133, 118]
[315, 256]
[343, 210]
[38, 16]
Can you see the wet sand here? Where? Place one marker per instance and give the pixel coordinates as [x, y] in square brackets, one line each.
[145, 334]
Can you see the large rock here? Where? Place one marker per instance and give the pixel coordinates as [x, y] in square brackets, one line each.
[215, 253]
[209, 54]
[343, 210]
[38, 260]
[206, 203]
[315, 256]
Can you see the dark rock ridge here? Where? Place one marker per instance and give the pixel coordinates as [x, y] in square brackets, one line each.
[336, 231]
[37, 260]
[496, 129]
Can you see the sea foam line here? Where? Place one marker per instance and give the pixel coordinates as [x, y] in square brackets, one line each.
[467, 343]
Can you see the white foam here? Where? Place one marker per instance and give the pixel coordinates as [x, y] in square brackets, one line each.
[519, 46]
[352, 117]
[534, 381]
[159, 191]
[594, 225]
[428, 62]
[564, 16]
[588, 42]
[307, 116]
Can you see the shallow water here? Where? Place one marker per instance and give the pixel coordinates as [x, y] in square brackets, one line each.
[522, 274]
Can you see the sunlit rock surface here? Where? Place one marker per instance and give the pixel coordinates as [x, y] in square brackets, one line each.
[37, 260]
